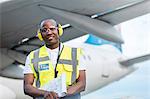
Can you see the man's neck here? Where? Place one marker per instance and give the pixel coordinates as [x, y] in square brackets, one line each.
[53, 46]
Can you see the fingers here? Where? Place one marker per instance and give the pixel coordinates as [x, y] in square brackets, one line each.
[55, 95]
[50, 95]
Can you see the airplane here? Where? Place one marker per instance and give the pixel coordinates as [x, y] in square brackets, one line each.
[19, 22]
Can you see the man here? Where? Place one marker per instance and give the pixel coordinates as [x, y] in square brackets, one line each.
[50, 61]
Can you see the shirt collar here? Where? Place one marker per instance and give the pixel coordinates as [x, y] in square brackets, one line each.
[54, 50]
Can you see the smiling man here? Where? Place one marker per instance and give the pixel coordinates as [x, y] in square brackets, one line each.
[51, 61]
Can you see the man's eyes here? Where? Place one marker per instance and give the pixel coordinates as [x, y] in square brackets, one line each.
[43, 30]
[47, 29]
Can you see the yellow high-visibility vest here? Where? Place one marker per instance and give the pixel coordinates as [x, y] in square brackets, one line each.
[45, 72]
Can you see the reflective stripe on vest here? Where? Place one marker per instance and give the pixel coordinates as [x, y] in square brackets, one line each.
[35, 61]
[73, 62]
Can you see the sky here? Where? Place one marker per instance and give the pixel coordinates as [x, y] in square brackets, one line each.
[136, 34]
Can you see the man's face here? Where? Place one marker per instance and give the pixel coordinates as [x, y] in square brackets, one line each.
[50, 33]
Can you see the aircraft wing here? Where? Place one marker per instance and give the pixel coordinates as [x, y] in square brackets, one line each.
[132, 60]
[20, 19]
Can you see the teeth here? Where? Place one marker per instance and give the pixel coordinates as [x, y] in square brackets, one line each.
[51, 37]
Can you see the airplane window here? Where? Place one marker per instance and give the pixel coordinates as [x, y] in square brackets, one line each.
[84, 57]
[89, 57]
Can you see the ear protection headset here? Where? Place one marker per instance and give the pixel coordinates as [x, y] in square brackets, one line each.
[60, 32]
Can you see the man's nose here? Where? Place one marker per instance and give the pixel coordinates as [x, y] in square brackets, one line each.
[49, 31]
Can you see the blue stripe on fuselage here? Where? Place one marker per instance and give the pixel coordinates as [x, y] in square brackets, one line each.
[94, 40]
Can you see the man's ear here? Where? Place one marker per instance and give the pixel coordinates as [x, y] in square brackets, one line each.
[60, 30]
[39, 35]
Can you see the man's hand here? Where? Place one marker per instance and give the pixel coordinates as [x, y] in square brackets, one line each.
[71, 91]
[79, 86]
[50, 95]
